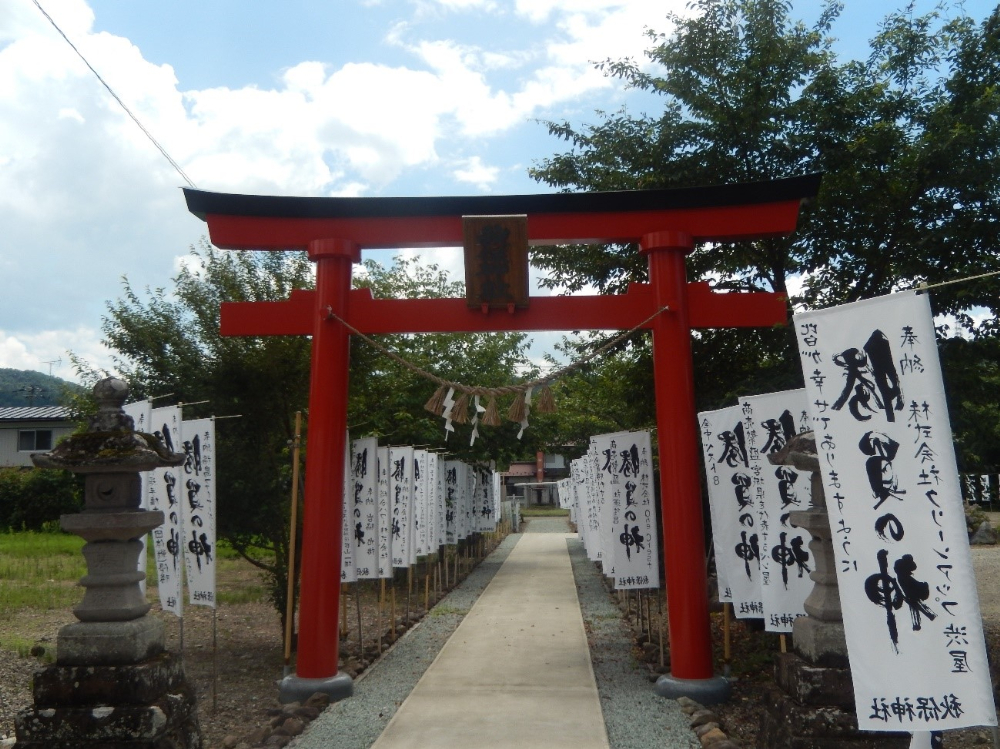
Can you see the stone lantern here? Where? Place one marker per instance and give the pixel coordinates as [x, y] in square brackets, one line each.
[113, 683]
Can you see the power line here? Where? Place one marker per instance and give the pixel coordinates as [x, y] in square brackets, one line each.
[128, 111]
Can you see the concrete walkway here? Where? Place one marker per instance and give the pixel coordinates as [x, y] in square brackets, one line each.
[516, 672]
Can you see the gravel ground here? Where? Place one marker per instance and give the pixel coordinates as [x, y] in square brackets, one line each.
[635, 717]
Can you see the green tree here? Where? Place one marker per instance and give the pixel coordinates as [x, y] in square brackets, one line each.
[907, 140]
[387, 397]
[167, 341]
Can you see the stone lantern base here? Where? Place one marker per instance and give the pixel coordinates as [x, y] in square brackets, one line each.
[148, 704]
[812, 707]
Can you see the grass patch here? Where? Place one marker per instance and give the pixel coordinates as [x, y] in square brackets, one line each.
[543, 512]
[40, 571]
[243, 594]
[448, 611]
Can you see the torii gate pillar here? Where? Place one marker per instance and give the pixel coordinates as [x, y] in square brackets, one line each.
[665, 224]
[321, 521]
[691, 672]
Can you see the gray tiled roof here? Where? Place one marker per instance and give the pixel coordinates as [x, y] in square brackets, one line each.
[33, 413]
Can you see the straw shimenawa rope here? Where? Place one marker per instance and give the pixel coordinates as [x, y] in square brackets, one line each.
[459, 412]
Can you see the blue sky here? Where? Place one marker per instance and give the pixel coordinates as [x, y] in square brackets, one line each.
[305, 97]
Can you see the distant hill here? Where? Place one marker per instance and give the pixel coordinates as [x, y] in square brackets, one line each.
[20, 387]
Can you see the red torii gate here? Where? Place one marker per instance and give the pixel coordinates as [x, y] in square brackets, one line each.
[665, 224]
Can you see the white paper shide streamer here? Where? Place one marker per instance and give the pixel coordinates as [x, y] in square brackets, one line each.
[907, 589]
[198, 502]
[164, 488]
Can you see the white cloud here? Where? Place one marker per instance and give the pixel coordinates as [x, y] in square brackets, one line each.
[50, 350]
[86, 198]
[475, 172]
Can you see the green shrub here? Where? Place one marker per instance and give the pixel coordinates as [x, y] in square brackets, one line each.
[34, 499]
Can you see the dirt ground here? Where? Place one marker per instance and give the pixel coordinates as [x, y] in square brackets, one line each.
[235, 661]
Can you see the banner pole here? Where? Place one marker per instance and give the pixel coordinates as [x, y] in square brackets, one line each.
[394, 609]
[215, 660]
[381, 603]
[343, 610]
[726, 646]
[660, 633]
[289, 597]
[361, 634]
[409, 591]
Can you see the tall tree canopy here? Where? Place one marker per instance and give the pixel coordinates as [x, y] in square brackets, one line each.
[908, 141]
[167, 342]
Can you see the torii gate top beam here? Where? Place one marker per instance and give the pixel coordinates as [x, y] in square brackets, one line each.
[665, 224]
[716, 213]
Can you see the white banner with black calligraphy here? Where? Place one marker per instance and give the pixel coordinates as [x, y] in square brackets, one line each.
[468, 527]
[452, 490]
[348, 573]
[141, 413]
[581, 498]
[734, 532]
[599, 525]
[635, 536]
[198, 473]
[907, 587]
[433, 491]
[384, 515]
[769, 421]
[401, 496]
[164, 492]
[420, 498]
[363, 519]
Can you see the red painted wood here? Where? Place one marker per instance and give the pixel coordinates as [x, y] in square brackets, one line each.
[708, 309]
[704, 224]
[667, 235]
[680, 490]
[322, 517]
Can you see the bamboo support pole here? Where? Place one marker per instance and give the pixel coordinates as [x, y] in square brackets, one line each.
[290, 596]
[381, 605]
[361, 634]
[726, 643]
[343, 610]
[394, 610]
[215, 660]
[409, 591]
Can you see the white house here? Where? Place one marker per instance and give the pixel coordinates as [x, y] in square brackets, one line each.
[31, 429]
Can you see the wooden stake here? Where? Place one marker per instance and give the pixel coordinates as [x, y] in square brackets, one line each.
[381, 604]
[409, 590]
[394, 609]
[361, 636]
[289, 598]
[726, 645]
[215, 660]
[662, 662]
[784, 643]
[427, 593]
[343, 610]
